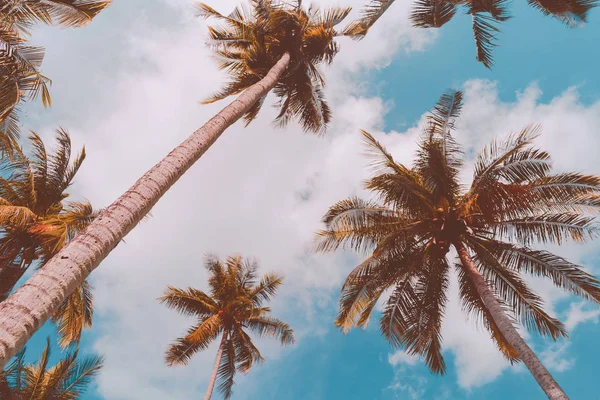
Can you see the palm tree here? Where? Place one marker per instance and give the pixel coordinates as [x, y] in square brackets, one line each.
[235, 304]
[67, 380]
[279, 46]
[20, 76]
[36, 222]
[485, 17]
[420, 212]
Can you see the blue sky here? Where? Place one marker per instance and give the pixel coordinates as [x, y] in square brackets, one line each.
[128, 88]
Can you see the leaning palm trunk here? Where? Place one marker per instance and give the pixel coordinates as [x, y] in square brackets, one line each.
[539, 372]
[37, 300]
[213, 377]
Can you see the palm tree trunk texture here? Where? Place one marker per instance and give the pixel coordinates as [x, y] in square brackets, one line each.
[213, 377]
[34, 302]
[539, 372]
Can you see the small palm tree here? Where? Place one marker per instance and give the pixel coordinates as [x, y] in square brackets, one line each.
[277, 46]
[36, 222]
[67, 380]
[235, 304]
[20, 63]
[422, 211]
[485, 17]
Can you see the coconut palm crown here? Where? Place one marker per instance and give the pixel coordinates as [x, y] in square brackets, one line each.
[36, 221]
[485, 17]
[67, 380]
[420, 212]
[248, 44]
[234, 306]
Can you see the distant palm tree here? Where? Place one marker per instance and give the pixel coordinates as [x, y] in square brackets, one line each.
[485, 17]
[20, 63]
[235, 304]
[67, 380]
[36, 222]
[277, 46]
[422, 211]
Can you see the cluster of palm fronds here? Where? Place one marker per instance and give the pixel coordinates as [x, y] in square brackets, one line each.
[235, 304]
[513, 202]
[67, 380]
[485, 17]
[250, 43]
[20, 63]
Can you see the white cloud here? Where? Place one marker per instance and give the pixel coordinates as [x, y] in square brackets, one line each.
[128, 87]
[577, 315]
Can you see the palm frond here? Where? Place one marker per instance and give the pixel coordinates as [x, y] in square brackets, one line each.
[547, 228]
[370, 14]
[198, 338]
[226, 371]
[271, 327]
[74, 315]
[473, 305]
[432, 13]
[563, 273]
[570, 12]
[526, 305]
[189, 301]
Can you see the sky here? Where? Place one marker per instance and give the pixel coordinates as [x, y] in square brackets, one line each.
[129, 86]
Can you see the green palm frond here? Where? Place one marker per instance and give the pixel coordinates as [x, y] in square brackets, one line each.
[547, 228]
[432, 13]
[74, 315]
[473, 305]
[422, 211]
[570, 12]
[226, 371]
[526, 305]
[189, 301]
[249, 42]
[272, 327]
[66, 380]
[370, 14]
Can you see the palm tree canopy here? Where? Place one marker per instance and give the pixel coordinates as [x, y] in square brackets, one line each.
[36, 221]
[67, 380]
[485, 17]
[234, 306]
[21, 15]
[513, 202]
[249, 43]
[20, 63]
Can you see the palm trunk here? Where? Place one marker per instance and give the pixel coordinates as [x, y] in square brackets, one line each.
[537, 369]
[34, 302]
[213, 377]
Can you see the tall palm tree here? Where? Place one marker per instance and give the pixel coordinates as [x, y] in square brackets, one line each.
[420, 212]
[485, 17]
[20, 63]
[67, 380]
[279, 46]
[235, 304]
[36, 222]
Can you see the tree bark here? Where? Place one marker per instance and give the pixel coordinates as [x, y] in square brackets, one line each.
[533, 363]
[37, 300]
[213, 377]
